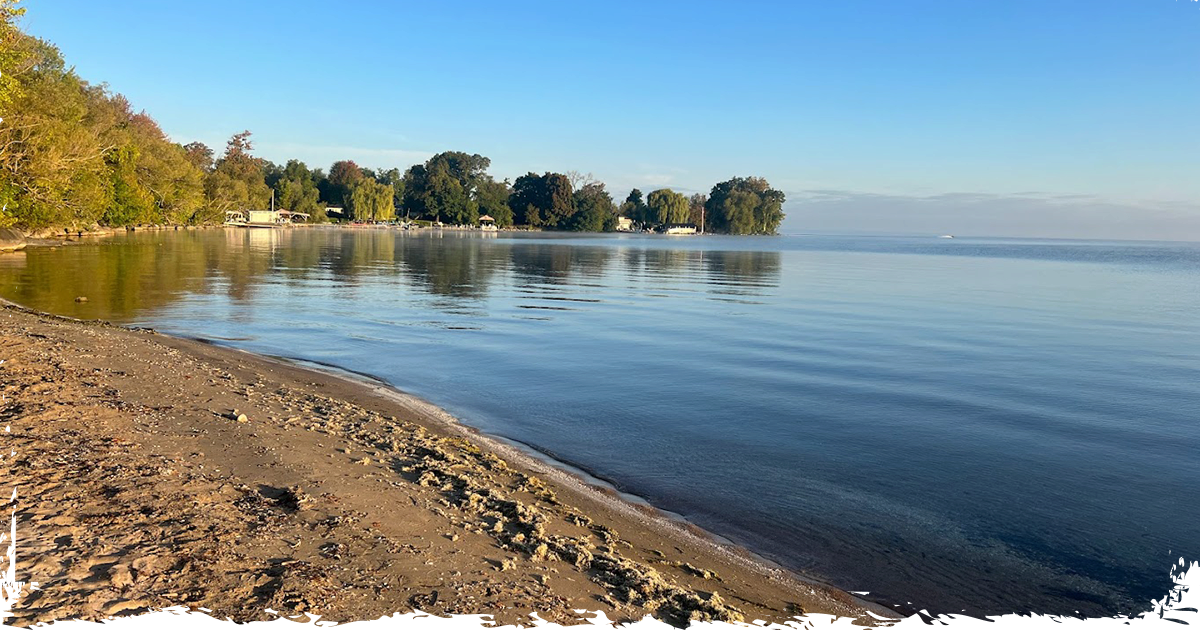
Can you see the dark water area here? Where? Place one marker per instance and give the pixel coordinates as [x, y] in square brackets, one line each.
[988, 425]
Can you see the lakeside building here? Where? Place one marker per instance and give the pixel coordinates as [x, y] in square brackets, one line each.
[624, 224]
[265, 217]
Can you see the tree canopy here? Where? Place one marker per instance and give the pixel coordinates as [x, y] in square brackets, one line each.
[371, 201]
[667, 207]
[542, 200]
[594, 210]
[744, 205]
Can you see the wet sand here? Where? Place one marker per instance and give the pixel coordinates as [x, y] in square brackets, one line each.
[153, 471]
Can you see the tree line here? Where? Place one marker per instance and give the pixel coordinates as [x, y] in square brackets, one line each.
[75, 155]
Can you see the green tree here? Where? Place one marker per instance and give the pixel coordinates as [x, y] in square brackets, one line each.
[73, 154]
[12, 54]
[594, 210]
[744, 205]
[52, 166]
[394, 178]
[634, 207]
[542, 200]
[444, 187]
[371, 201]
[238, 181]
[492, 198]
[666, 207]
[296, 190]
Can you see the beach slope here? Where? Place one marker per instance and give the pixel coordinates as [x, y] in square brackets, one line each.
[153, 471]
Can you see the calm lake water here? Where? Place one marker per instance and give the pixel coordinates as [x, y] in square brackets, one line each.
[988, 425]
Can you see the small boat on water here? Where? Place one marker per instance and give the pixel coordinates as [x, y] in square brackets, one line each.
[946, 236]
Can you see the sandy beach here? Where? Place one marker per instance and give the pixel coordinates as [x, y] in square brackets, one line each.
[153, 471]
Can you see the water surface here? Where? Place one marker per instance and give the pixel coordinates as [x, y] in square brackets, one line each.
[980, 424]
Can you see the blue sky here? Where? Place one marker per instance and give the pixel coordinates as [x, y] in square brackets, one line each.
[1020, 117]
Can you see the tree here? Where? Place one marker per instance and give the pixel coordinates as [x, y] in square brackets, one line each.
[12, 54]
[238, 180]
[371, 201]
[634, 207]
[561, 201]
[667, 207]
[342, 175]
[492, 198]
[579, 180]
[52, 153]
[296, 190]
[394, 178]
[444, 187]
[73, 154]
[696, 210]
[744, 205]
[542, 200]
[199, 155]
[594, 210]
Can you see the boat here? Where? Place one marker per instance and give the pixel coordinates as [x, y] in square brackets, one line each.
[946, 236]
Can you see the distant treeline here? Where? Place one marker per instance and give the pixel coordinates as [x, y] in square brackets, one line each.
[74, 155]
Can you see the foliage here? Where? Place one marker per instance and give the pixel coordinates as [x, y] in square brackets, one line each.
[238, 180]
[296, 190]
[696, 209]
[444, 187]
[744, 205]
[200, 155]
[666, 207]
[370, 201]
[492, 198]
[634, 207]
[594, 210]
[13, 55]
[342, 175]
[542, 200]
[394, 178]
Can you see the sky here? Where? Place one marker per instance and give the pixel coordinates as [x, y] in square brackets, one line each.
[1056, 118]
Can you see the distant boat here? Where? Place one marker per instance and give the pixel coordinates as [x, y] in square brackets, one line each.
[946, 236]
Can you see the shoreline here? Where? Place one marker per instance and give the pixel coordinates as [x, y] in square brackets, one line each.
[566, 474]
[621, 575]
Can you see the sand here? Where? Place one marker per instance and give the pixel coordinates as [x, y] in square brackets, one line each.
[153, 471]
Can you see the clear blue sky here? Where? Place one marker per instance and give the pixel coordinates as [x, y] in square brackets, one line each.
[1085, 114]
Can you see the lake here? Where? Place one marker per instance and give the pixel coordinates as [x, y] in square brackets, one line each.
[989, 425]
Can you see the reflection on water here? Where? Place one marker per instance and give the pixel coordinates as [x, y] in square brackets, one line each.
[964, 424]
[131, 275]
